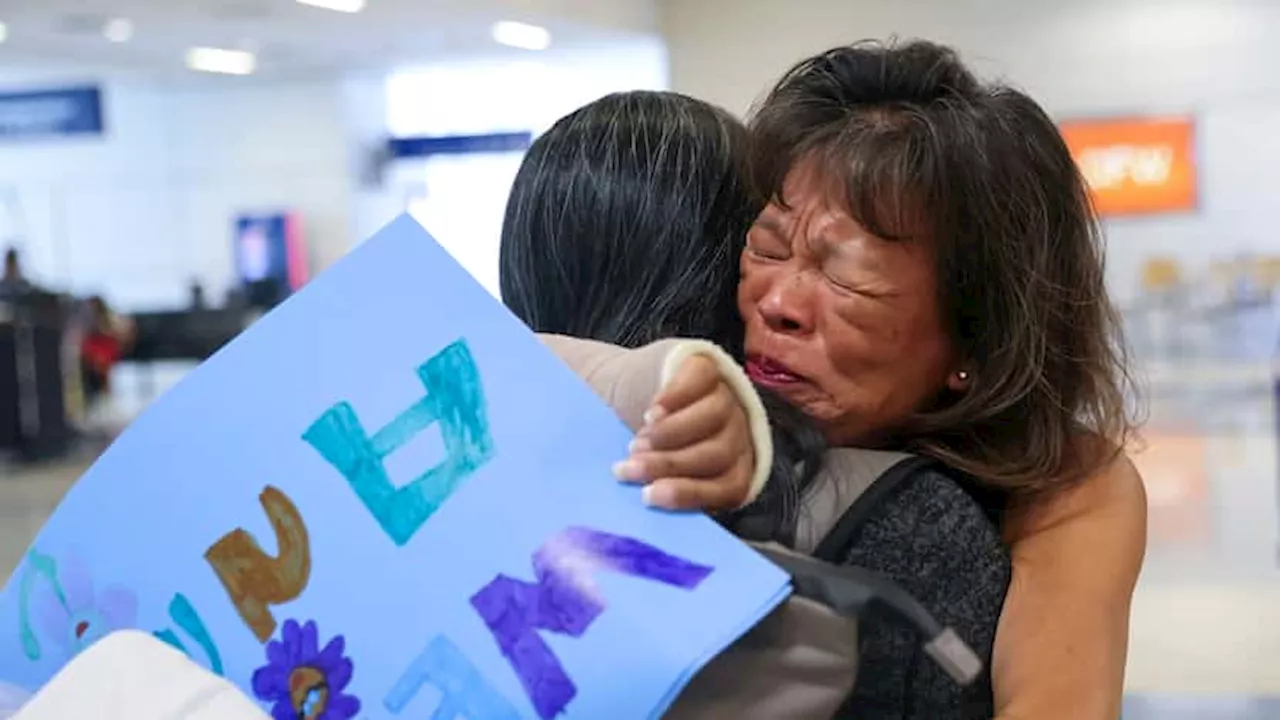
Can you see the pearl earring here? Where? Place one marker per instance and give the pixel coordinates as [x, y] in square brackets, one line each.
[963, 375]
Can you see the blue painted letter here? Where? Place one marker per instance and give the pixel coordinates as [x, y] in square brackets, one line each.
[185, 616]
[455, 400]
[464, 691]
[39, 565]
[565, 600]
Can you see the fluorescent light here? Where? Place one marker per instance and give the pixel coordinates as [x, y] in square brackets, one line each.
[346, 6]
[219, 60]
[521, 35]
[4, 32]
[118, 30]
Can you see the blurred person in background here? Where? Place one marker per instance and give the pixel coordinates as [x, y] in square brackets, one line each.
[104, 341]
[196, 299]
[623, 226]
[13, 281]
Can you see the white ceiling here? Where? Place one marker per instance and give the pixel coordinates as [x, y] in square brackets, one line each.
[296, 39]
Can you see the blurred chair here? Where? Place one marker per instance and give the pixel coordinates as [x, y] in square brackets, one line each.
[1160, 274]
[1267, 273]
[1157, 321]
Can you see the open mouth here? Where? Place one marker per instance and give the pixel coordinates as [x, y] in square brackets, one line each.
[770, 373]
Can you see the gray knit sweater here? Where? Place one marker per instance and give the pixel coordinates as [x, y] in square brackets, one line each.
[936, 540]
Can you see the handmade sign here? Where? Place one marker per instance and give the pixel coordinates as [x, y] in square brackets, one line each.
[386, 499]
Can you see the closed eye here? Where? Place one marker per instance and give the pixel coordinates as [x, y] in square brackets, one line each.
[766, 254]
[767, 244]
[846, 287]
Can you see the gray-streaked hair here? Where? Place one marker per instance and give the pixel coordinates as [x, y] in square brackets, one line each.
[625, 223]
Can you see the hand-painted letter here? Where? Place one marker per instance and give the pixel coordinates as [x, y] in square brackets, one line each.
[185, 616]
[464, 691]
[39, 566]
[255, 580]
[455, 400]
[565, 600]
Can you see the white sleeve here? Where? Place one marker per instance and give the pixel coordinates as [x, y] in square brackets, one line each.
[131, 675]
[628, 380]
[736, 377]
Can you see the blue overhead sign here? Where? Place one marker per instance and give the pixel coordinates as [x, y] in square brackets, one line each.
[54, 112]
[416, 147]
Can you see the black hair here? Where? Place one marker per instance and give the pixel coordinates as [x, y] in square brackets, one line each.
[624, 225]
[626, 219]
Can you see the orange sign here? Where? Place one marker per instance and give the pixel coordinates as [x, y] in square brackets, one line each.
[1136, 165]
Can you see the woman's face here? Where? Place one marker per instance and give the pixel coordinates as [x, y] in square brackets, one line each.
[841, 323]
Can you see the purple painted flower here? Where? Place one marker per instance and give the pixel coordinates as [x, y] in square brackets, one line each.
[73, 615]
[303, 681]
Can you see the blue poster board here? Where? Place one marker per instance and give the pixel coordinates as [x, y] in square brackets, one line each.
[386, 499]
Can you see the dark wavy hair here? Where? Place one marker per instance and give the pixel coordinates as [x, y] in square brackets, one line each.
[624, 225]
[919, 149]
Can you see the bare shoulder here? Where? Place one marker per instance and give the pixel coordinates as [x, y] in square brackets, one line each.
[1077, 554]
[1113, 494]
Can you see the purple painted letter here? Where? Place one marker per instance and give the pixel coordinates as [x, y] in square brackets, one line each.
[565, 600]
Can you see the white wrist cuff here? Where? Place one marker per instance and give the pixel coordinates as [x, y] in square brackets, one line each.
[736, 377]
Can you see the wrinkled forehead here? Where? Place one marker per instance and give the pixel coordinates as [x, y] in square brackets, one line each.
[830, 187]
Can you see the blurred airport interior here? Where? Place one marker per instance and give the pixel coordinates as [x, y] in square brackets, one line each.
[171, 169]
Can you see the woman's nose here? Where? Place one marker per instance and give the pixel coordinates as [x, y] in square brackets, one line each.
[787, 308]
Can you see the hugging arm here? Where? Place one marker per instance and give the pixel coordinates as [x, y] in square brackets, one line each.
[1063, 637]
[703, 437]
[626, 380]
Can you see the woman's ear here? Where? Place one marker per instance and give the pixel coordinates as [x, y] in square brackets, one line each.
[959, 381]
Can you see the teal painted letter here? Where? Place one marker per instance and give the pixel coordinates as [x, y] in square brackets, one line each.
[455, 400]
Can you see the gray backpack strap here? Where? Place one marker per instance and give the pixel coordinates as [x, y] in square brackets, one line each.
[834, 548]
[800, 662]
[845, 476]
[846, 590]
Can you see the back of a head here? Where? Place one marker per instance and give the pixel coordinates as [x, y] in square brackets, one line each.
[916, 147]
[625, 225]
[625, 222]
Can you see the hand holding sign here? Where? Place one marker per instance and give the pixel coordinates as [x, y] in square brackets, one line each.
[380, 488]
[695, 431]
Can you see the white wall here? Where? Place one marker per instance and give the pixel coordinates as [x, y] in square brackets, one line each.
[260, 148]
[66, 201]
[1084, 56]
[141, 212]
[461, 199]
[1217, 58]
[499, 95]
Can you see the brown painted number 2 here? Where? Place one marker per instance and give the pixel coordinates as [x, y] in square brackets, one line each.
[255, 580]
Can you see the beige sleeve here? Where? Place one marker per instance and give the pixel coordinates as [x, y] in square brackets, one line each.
[626, 380]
